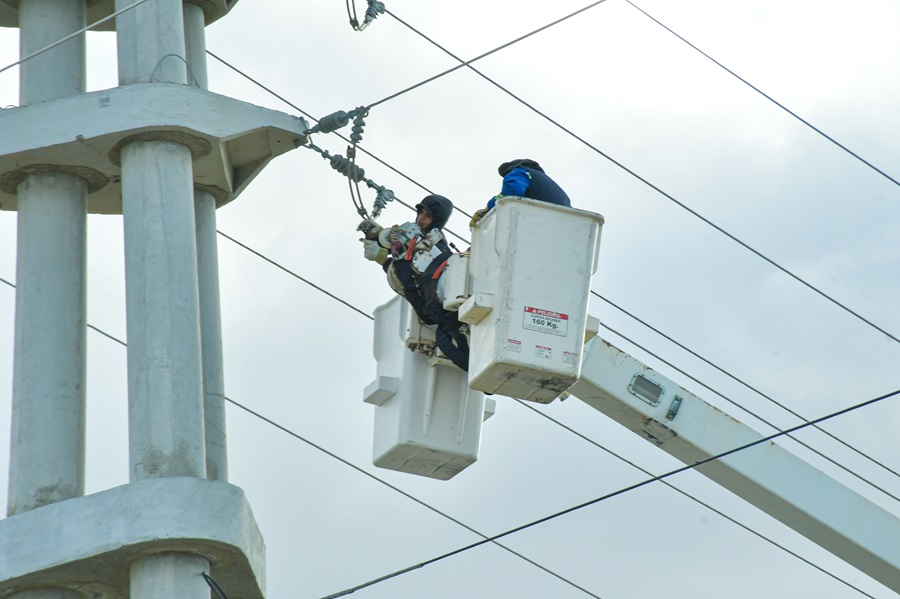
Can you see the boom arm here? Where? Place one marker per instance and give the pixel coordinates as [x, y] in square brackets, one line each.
[767, 476]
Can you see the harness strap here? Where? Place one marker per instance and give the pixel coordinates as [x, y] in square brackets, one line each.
[411, 248]
[439, 269]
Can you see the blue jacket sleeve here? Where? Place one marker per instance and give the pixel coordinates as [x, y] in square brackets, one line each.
[515, 183]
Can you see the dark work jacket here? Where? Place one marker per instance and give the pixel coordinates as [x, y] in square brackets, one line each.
[527, 179]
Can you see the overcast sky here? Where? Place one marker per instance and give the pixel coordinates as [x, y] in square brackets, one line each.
[642, 97]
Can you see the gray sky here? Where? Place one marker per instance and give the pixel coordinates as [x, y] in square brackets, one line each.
[644, 98]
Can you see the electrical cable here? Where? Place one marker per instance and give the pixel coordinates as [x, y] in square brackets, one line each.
[312, 118]
[722, 395]
[686, 208]
[216, 589]
[293, 274]
[342, 460]
[401, 491]
[352, 307]
[273, 423]
[617, 493]
[486, 54]
[692, 378]
[634, 174]
[468, 241]
[711, 508]
[768, 97]
[742, 382]
[73, 35]
[770, 424]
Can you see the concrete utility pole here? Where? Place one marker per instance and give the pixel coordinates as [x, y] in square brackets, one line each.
[47, 453]
[165, 153]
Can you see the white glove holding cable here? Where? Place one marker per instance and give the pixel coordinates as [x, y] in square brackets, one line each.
[373, 251]
[370, 228]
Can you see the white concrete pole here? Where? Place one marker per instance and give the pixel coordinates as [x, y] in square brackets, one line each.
[195, 44]
[164, 382]
[150, 41]
[57, 73]
[47, 441]
[162, 306]
[211, 337]
[174, 575]
[165, 393]
[208, 273]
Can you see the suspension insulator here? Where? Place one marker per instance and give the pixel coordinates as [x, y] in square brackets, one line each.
[381, 199]
[358, 124]
[375, 9]
[332, 122]
[347, 168]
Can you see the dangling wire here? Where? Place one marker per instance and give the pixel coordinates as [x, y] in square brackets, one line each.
[216, 589]
[351, 12]
[372, 12]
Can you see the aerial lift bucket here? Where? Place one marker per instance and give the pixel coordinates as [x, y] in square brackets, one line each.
[529, 274]
[427, 420]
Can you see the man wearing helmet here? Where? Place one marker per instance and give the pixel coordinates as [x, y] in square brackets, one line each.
[413, 256]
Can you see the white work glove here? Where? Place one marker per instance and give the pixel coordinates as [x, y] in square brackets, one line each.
[370, 228]
[374, 252]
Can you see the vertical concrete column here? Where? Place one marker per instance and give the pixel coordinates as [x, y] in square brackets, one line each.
[57, 73]
[174, 575]
[165, 408]
[165, 393]
[150, 41]
[208, 272]
[162, 298]
[211, 336]
[47, 437]
[195, 44]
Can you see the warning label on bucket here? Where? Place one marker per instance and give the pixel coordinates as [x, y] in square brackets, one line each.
[546, 321]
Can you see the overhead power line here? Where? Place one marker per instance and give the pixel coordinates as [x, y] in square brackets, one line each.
[711, 508]
[74, 34]
[293, 274]
[359, 147]
[768, 97]
[821, 454]
[401, 491]
[346, 462]
[467, 63]
[632, 173]
[742, 382]
[726, 398]
[621, 491]
[335, 456]
[558, 423]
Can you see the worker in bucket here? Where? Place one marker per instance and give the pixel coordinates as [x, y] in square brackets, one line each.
[525, 178]
[413, 256]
